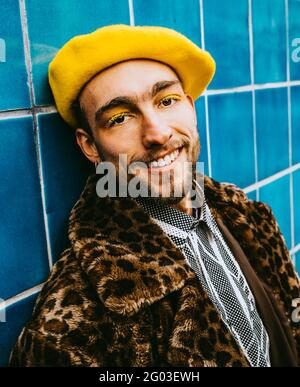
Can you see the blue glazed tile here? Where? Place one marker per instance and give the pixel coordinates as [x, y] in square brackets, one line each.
[269, 40]
[231, 138]
[171, 14]
[200, 110]
[298, 262]
[12, 61]
[226, 35]
[277, 196]
[23, 258]
[295, 107]
[294, 34]
[252, 195]
[296, 185]
[65, 171]
[272, 131]
[16, 317]
[52, 24]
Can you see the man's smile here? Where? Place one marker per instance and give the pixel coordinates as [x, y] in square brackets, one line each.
[165, 163]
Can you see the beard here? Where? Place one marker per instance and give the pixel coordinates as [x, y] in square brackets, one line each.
[168, 188]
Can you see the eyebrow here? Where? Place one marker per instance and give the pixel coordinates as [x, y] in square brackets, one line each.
[131, 101]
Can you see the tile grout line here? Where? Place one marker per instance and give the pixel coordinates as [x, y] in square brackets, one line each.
[19, 113]
[205, 95]
[21, 296]
[245, 88]
[36, 128]
[251, 47]
[131, 12]
[45, 109]
[272, 178]
[295, 249]
[288, 74]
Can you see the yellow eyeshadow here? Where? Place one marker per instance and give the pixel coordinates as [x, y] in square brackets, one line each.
[115, 116]
[121, 114]
[172, 96]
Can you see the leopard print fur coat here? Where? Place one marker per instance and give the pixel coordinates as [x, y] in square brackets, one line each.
[122, 294]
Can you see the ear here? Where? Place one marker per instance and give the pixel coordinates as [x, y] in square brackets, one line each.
[87, 145]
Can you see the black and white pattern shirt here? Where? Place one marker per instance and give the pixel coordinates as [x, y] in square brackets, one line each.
[207, 253]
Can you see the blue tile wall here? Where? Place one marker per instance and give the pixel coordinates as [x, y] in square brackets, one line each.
[277, 195]
[252, 195]
[51, 25]
[65, 171]
[43, 170]
[296, 183]
[231, 138]
[12, 59]
[23, 258]
[227, 38]
[295, 103]
[171, 14]
[294, 39]
[269, 40]
[16, 316]
[297, 259]
[272, 131]
[200, 110]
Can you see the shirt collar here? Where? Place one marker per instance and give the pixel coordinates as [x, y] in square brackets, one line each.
[163, 212]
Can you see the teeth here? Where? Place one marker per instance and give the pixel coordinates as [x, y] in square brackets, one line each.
[174, 155]
[168, 159]
[162, 162]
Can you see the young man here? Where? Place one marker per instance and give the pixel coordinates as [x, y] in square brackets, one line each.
[157, 280]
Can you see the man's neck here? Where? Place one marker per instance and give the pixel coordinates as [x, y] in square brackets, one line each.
[185, 205]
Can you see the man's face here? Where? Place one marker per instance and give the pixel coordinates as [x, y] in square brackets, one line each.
[138, 108]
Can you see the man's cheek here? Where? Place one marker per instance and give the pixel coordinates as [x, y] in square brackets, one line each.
[112, 150]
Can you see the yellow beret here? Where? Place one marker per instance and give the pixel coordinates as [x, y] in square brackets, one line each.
[82, 57]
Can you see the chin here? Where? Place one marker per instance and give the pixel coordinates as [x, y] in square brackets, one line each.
[175, 191]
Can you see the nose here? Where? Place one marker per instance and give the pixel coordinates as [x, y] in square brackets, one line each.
[155, 131]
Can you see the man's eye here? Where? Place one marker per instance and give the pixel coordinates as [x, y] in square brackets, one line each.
[117, 120]
[167, 101]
